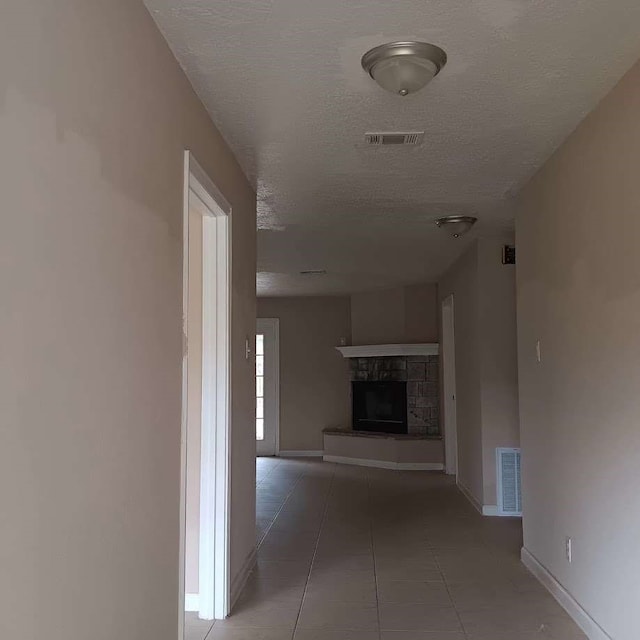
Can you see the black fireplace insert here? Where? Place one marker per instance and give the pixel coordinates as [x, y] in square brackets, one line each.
[380, 406]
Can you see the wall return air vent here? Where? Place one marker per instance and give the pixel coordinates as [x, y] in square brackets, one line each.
[384, 138]
[508, 475]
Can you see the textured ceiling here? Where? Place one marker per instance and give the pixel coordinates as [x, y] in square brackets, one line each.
[283, 82]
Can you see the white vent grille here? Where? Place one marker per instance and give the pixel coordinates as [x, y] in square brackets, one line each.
[508, 475]
[410, 138]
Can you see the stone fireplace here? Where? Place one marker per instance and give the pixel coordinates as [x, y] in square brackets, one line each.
[416, 382]
[395, 409]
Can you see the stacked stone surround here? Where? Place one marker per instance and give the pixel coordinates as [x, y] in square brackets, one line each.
[421, 375]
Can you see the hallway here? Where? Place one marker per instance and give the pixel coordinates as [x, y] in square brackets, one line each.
[349, 553]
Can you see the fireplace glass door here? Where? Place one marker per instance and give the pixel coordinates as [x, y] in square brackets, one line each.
[380, 406]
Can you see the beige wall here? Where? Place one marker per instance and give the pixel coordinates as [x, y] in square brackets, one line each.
[486, 362]
[421, 313]
[194, 403]
[94, 117]
[314, 377]
[498, 357]
[579, 294]
[461, 280]
[395, 316]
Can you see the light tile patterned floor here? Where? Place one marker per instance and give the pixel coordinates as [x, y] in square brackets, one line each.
[349, 553]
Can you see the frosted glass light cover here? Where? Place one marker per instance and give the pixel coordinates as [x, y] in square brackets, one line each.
[458, 229]
[456, 225]
[404, 74]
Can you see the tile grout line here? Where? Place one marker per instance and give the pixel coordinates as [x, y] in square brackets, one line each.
[368, 495]
[208, 634]
[259, 543]
[275, 466]
[279, 511]
[453, 604]
[315, 551]
[373, 551]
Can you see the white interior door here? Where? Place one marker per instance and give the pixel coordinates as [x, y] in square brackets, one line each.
[449, 387]
[267, 386]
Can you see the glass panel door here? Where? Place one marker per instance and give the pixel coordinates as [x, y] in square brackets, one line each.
[267, 386]
[260, 387]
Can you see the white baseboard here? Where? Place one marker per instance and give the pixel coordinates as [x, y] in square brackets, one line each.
[383, 464]
[240, 580]
[361, 462]
[469, 496]
[593, 630]
[300, 454]
[420, 466]
[493, 511]
[192, 602]
[490, 510]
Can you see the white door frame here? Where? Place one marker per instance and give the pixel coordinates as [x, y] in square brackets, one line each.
[214, 583]
[449, 387]
[271, 326]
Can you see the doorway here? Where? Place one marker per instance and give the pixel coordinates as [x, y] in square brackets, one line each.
[267, 386]
[204, 505]
[449, 387]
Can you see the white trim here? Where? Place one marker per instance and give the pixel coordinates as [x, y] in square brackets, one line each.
[203, 186]
[385, 350]
[301, 454]
[271, 326]
[491, 510]
[192, 602]
[208, 457]
[449, 407]
[420, 466]
[564, 598]
[242, 576]
[276, 368]
[385, 464]
[214, 481]
[184, 399]
[214, 587]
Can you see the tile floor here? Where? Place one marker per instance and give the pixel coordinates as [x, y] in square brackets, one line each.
[348, 553]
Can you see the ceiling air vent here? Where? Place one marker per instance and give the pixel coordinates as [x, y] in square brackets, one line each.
[411, 138]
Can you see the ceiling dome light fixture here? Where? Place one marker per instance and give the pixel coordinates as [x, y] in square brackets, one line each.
[404, 67]
[456, 225]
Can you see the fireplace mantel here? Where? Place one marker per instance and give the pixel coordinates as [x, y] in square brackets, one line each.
[389, 350]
